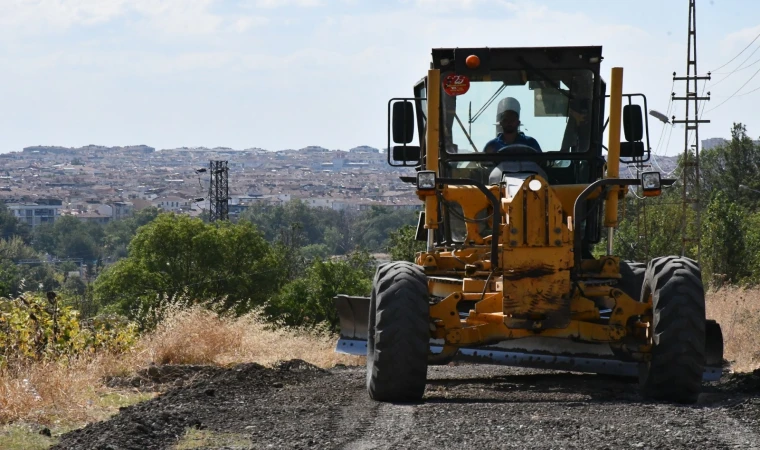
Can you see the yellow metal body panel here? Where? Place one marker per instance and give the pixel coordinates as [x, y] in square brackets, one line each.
[431, 142]
[537, 258]
[613, 145]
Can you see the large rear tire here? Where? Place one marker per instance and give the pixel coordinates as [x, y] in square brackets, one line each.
[678, 330]
[399, 333]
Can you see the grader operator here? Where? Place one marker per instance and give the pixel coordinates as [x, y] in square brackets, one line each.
[512, 212]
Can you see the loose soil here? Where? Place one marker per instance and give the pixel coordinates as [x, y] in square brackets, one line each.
[297, 405]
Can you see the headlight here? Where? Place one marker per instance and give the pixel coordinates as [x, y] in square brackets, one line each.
[650, 183]
[426, 180]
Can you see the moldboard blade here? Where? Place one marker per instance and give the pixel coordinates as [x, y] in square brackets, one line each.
[588, 362]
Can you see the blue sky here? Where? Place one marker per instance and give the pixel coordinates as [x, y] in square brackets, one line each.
[280, 74]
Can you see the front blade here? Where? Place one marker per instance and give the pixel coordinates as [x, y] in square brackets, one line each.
[353, 313]
[587, 363]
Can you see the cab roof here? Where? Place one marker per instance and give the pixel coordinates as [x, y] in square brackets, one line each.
[517, 58]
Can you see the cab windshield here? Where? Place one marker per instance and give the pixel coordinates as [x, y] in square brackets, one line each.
[555, 111]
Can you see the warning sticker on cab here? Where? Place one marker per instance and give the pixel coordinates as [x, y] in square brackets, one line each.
[456, 84]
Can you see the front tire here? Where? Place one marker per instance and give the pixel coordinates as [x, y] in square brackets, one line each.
[677, 332]
[399, 333]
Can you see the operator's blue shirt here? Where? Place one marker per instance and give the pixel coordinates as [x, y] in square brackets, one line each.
[494, 145]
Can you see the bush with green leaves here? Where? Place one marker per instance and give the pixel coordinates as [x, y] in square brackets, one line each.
[403, 244]
[229, 266]
[308, 300]
[36, 327]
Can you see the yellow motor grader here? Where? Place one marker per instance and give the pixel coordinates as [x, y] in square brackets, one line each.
[517, 191]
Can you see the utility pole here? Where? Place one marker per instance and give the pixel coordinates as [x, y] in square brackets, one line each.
[218, 191]
[690, 163]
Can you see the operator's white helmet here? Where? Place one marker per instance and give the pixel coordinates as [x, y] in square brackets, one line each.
[507, 104]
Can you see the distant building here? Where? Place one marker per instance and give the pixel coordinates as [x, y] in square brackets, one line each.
[93, 217]
[174, 204]
[707, 144]
[121, 210]
[42, 211]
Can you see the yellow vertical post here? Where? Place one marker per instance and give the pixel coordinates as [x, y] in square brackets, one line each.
[613, 147]
[431, 146]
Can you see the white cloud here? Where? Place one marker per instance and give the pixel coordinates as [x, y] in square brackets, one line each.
[280, 3]
[58, 14]
[39, 17]
[243, 24]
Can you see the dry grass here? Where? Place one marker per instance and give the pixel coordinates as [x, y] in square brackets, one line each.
[59, 392]
[64, 393]
[56, 393]
[737, 310]
[198, 336]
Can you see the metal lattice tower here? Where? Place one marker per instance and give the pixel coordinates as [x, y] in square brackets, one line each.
[218, 191]
[690, 163]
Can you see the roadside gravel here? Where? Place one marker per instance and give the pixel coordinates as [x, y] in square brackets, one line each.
[297, 405]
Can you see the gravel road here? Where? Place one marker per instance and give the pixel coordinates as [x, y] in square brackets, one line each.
[297, 405]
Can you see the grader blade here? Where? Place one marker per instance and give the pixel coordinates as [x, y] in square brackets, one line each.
[535, 352]
[353, 313]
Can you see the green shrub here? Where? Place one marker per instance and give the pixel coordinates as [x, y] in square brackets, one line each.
[35, 328]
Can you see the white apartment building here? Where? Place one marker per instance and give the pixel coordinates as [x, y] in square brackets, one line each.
[173, 204]
[36, 213]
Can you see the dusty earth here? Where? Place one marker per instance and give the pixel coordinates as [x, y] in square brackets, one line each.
[297, 405]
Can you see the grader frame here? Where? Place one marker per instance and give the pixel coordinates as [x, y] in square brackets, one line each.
[525, 290]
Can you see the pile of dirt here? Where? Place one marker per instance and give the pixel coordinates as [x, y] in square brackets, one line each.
[157, 378]
[206, 392]
[742, 382]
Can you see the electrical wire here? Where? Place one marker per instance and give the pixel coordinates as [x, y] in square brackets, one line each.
[737, 69]
[734, 94]
[747, 93]
[670, 105]
[738, 54]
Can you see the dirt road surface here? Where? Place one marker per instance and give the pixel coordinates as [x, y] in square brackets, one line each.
[467, 406]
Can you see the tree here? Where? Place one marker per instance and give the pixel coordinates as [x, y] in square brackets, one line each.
[372, 230]
[308, 301]
[728, 167]
[11, 227]
[229, 266]
[15, 249]
[650, 227]
[69, 237]
[404, 244]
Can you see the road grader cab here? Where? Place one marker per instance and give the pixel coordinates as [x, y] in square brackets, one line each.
[511, 219]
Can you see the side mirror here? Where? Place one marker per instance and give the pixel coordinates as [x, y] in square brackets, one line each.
[633, 128]
[406, 153]
[633, 123]
[403, 122]
[631, 149]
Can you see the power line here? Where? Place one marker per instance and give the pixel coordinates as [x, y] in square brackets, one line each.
[738, 54]
[746, 93]
[670, 105]
[737, 69]
[737, 91]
